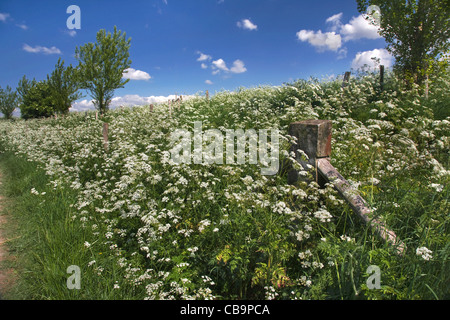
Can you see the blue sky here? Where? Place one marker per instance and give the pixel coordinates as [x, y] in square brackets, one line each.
[186, 47]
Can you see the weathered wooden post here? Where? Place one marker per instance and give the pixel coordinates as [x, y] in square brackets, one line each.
[381, 77]
[207, 95]
[151, 107]
[314, 138]
[346, 78]
[105, 135]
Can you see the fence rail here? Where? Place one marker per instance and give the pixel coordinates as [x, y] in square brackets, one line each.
[314, 139]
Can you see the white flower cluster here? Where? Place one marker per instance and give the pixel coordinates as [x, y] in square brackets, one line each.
[424, 253]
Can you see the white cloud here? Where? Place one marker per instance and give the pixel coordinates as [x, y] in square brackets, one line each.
[71, 33]
[220, 64]
[204, 66]
[130, 100]
[335, 18]
[335, 21]
[40, 49]
[339, 33]
[82, 105]
[359, 28]
[134, 74]
[247, 24]
[22, 26]
[321, 41]
[203, 57]
[365, 58]
[208, 82]
[4, 16]
[238, 67]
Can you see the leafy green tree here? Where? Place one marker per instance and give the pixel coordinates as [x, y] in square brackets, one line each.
[101, 66]
[63, 86]
[9, 101]
[24, 86]
[38, 101]
[417, 34]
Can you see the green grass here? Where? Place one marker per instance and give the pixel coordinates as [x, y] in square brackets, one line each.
[47, 240]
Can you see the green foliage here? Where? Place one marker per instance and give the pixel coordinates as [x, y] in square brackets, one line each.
[38, 101]
[24, 86]
[417, 34]
[8, 102]
[101, 66]
[63, 86]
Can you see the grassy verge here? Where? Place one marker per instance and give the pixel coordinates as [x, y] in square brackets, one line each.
[46, 240]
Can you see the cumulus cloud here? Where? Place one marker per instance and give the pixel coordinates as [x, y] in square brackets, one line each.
[238, 67]
[247, 24]
[321, 41]
[367, 58]
[40, 49]
[220, 65]
[359, 28]
[203, 57]
[129, 100]
[208, 82]
[134, 74]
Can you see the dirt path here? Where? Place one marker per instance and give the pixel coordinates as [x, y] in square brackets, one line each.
[6, 274]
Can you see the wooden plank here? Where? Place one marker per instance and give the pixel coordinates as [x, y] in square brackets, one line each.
[357, 203]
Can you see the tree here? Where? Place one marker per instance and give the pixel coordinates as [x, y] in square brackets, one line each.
[101, 66]
[417, 33]
[24, 86]
[63, 86]
[9, 101]
[38, 101]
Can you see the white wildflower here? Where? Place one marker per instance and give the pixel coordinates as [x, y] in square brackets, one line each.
[424, 252]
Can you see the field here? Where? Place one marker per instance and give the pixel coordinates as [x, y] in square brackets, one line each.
[140, 227]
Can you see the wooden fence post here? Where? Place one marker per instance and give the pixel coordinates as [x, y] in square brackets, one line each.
[151, 107]
[207, 95]
[314, 138]
[381, 77]
[346, 78]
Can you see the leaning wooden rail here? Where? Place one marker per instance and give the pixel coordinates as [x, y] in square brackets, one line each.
[314, 139]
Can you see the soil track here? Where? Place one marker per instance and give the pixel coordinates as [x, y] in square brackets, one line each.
[6, 274]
